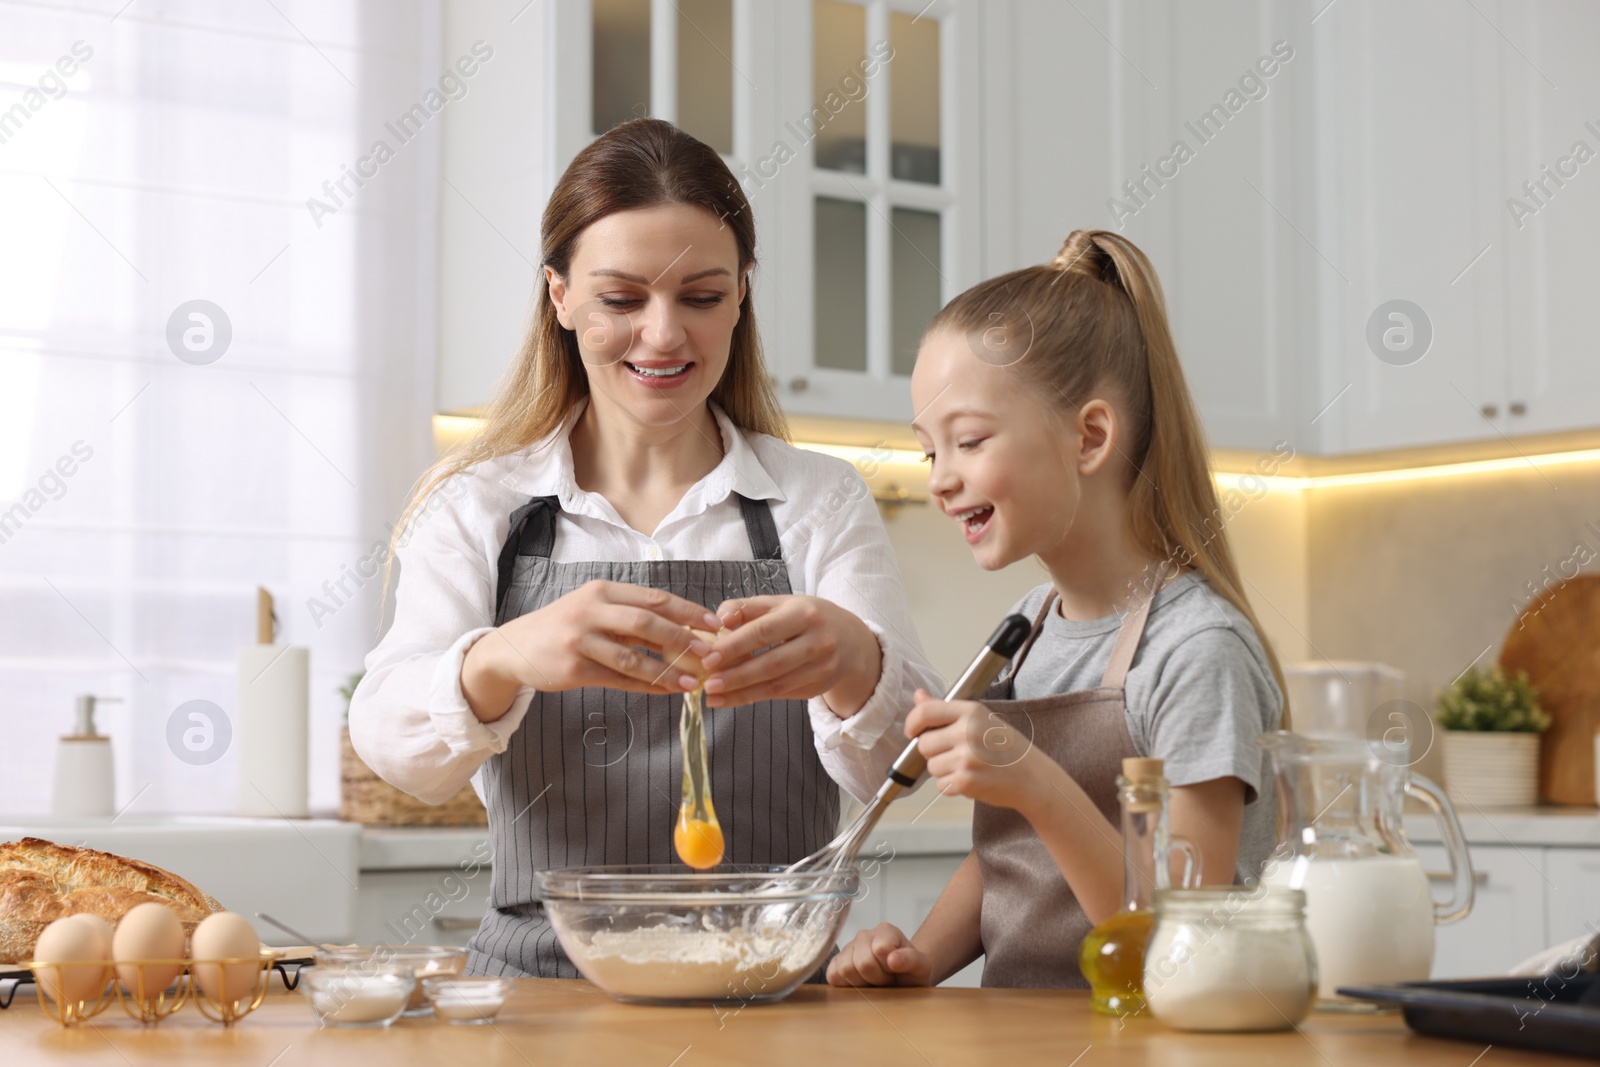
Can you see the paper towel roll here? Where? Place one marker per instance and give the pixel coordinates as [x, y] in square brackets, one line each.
[272, 730]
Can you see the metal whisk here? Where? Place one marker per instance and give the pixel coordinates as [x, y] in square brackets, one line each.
[997, 652]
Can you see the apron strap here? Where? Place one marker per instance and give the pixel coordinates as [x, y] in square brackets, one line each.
[532, 532]
[762, 530]
[1127, 642]
[1033, 635]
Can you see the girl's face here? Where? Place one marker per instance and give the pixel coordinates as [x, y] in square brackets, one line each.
[653, 295]
[999, 454]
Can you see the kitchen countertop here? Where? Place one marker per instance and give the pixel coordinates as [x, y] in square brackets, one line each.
[943, 826]
[1558, 827]
[555, 1021]
[920, 824]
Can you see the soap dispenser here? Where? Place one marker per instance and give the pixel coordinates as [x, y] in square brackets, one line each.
[85, 785]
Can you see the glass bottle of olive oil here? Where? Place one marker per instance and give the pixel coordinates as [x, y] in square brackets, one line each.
[1112, 956]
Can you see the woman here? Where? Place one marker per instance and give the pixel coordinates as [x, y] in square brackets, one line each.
[632, 482]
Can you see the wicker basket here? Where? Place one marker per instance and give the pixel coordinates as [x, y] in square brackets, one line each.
[369, 800]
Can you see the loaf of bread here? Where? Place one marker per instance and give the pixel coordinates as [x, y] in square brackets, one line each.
[41, 881]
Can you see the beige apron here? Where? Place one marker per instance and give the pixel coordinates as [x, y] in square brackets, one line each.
[1032, 925]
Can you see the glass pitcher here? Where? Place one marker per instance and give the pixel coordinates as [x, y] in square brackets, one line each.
[1341, 839]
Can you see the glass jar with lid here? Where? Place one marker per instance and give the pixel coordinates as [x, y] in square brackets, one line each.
[1230, 958]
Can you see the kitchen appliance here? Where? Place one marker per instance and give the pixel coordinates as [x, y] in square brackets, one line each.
[841, 852]
[1342, 840]
[1329, 698]
[85, 783]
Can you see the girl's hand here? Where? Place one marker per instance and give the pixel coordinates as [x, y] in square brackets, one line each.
[592, 636]
[880, 956]
[975, 752]
[813, 648]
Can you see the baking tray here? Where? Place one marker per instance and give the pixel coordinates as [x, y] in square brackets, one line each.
[1534, 1013]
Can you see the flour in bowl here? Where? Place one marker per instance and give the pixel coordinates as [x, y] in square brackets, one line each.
[672, 962]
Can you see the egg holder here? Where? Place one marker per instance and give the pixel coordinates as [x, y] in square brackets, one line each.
[139, 1005]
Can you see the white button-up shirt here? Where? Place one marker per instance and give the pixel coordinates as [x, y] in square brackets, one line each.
[409, 719]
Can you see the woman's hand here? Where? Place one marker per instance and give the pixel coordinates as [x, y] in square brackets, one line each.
[975, 752]
[813, 647]
[880, 956]
[589, 637]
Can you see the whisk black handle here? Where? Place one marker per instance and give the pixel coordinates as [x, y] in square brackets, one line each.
[1007, 638]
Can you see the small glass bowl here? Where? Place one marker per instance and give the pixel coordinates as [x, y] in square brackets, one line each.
[467, 1001]
[424, 961]
[363, 996]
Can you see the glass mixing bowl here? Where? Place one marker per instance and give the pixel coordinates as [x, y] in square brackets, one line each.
[664, 935]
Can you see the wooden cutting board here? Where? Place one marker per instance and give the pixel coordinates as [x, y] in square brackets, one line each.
[1557, 641]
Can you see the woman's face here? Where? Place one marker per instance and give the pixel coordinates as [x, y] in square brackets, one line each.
[653, 295]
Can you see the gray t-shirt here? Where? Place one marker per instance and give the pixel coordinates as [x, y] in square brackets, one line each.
[1199, 693]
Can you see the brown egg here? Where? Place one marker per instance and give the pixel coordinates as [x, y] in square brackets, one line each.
[78, 942]
[148, 932]
[219, 937]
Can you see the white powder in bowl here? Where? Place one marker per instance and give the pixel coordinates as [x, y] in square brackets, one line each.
[678, 963]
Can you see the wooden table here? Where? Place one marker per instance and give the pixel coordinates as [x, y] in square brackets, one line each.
[557, 1022]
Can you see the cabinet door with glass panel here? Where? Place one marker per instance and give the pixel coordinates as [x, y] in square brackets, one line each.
[875, 165]
[851, 125]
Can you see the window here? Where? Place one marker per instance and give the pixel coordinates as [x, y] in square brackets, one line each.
[210, 364]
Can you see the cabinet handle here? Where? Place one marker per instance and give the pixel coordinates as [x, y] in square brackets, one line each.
[1490, 410]
[1479, 878]
[798, 385]
[446, 924]
[1518, 408]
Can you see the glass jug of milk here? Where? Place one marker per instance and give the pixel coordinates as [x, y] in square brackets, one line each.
[1342, 840]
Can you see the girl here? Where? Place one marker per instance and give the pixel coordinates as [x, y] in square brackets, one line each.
[632, 476]
[1056, 418]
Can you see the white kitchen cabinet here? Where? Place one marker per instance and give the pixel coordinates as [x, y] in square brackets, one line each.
[1507, 924]
[421, 907]
[1574, 890]
[1430, 122]
[853, 126]
[911, 885]
[1087, 105]
[1408, 109]
[1552, 375]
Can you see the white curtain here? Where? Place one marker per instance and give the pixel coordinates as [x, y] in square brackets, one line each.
[158, 153]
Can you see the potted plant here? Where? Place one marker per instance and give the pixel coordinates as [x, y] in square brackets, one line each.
[1492, 722]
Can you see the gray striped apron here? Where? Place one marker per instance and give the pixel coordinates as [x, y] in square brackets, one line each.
[594, 776]
[1031, 925]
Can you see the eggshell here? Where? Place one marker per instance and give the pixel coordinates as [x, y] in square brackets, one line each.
[219, 937]
[73, 941]
[690, 663]
[150, 931]
[102, 930]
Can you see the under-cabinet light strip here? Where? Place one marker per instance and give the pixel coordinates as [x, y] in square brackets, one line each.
[883, 455]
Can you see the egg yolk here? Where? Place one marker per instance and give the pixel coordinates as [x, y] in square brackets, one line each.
[698, 841]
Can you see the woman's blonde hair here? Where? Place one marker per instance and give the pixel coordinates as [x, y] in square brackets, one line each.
[1096, 321]
[637, 164]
